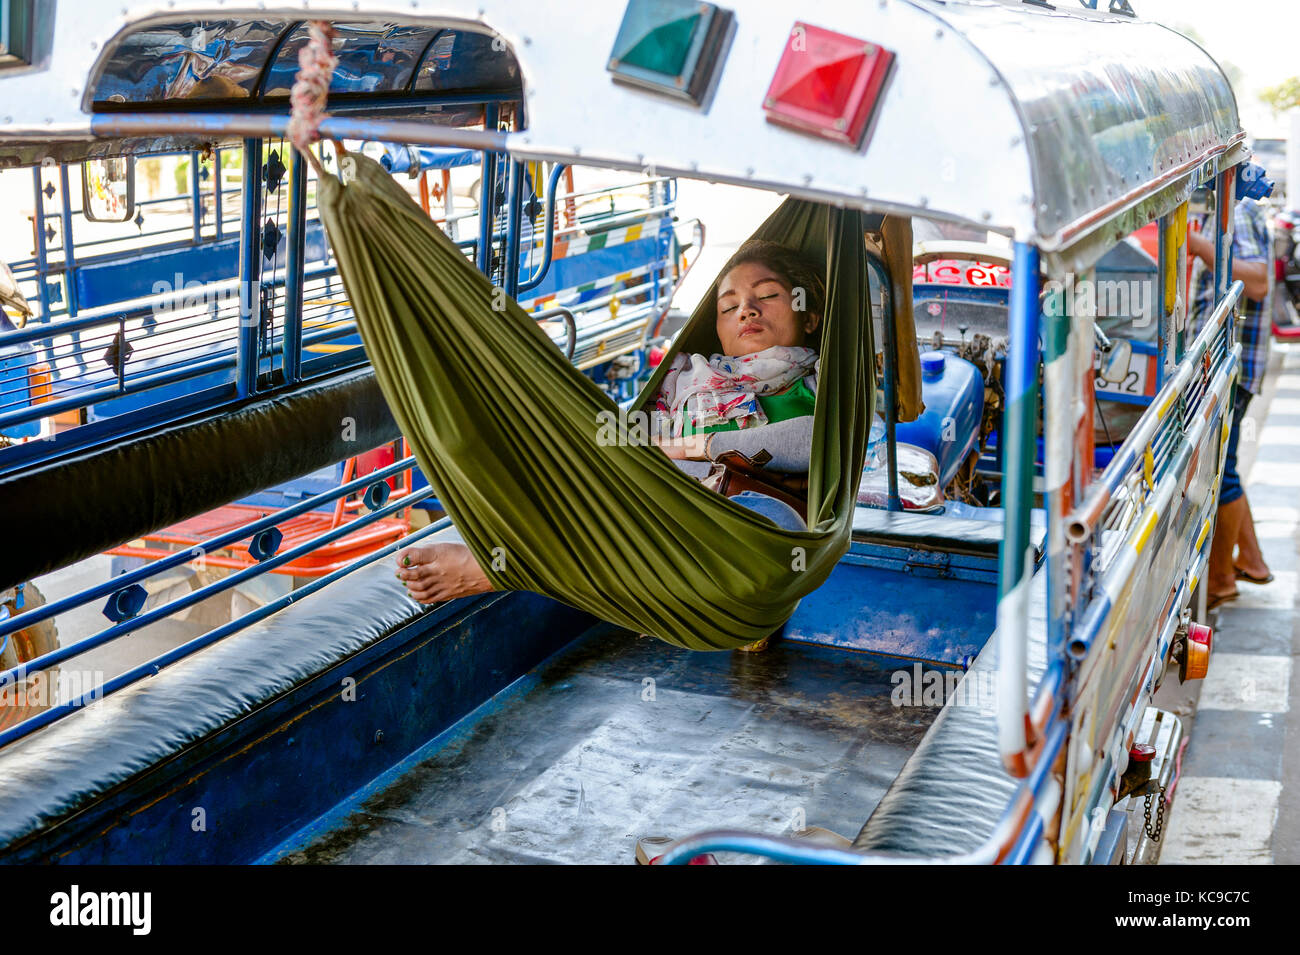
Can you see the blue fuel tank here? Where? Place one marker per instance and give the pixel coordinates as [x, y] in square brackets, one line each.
[953, 391]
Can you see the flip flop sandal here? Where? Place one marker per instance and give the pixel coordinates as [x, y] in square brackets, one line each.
[1215, 601]
[1251, 579]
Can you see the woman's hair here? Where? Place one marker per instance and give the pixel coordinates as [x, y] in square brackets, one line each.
[790, 267]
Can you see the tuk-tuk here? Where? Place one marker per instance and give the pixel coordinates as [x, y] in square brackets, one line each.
[971, 683]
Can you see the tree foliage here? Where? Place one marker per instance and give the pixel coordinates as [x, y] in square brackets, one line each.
[1284, 96]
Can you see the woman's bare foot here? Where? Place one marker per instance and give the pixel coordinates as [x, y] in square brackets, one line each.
[437, 572]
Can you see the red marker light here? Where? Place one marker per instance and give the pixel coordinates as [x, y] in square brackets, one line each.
[828, 84]
[1142, 753]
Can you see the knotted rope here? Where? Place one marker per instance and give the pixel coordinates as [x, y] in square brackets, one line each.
[307, 99]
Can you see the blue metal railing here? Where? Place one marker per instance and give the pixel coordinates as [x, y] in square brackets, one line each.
[122, 583]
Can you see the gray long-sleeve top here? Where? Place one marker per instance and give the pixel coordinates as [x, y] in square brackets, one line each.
[789, 442]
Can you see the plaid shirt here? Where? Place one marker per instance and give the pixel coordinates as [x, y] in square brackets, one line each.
[1250, 243]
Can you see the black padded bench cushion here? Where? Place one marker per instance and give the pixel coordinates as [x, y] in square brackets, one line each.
[953, 790]
[135, 485]
[935, 531]
[63, 767]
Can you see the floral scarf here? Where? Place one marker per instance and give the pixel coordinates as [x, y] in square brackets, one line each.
[721, 388]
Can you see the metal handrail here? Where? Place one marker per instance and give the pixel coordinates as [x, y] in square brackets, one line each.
[91, 319]
[154, 666]
[60, 654]
[548, 241]
[570, 327]
[1083, 521]
[700, 233]
[227, 358]
[275, 126]
[219, 542]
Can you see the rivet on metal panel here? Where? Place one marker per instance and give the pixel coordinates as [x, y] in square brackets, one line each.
[749, 172]
[938, 34]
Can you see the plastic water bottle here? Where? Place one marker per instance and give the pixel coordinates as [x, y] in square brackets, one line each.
[875, 445]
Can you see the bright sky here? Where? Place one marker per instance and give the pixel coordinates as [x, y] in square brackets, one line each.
[1260, 37]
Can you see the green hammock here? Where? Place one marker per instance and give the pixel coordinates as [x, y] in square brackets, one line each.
[511, 435]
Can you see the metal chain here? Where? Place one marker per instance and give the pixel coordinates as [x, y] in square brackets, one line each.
[1160, 815]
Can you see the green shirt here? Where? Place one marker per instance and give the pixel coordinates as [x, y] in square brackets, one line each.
[795, 402]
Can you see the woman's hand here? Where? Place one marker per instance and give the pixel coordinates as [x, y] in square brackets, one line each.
[437, 572]
[692, 447]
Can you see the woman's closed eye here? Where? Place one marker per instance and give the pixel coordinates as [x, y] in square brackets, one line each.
[731, 308]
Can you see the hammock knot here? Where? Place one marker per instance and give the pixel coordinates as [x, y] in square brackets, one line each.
[307, 99]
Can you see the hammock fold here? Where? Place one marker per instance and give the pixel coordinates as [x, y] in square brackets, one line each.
[516, 441]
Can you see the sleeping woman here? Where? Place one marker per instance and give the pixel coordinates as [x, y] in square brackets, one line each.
[758, 395]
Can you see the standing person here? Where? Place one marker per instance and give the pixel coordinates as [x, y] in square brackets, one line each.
[1235, 530]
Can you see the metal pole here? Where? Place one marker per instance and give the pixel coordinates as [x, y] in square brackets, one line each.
[250, 244]
[894, 502]
[216, 173]
[42, 292]
[295, 262]
[196, 196]
[69, 244]
[1015, 565]
[1224, 193]
[487, 196]
[1163, 303]
[1059, 386]
[548, 242]
[514, 213]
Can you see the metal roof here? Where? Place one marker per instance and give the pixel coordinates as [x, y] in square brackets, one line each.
[1041, 123]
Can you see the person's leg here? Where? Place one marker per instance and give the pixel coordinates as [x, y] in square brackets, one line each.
[1249, 559]
[782, 515]
[1221, 578]
[778, 512]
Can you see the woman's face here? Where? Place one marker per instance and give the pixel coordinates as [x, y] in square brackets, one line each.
[756, 311]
